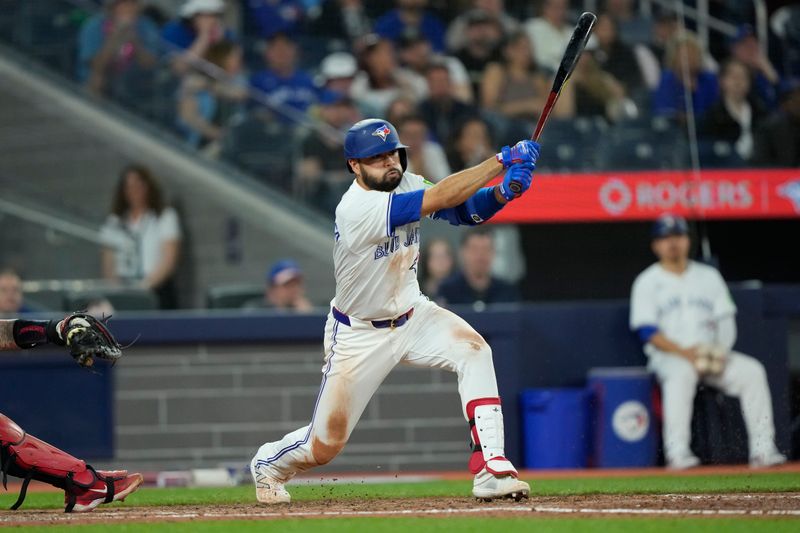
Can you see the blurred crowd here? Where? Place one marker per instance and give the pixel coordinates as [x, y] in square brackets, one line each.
[271, 84]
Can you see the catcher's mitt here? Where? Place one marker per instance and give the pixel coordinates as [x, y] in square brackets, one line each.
[87, 338]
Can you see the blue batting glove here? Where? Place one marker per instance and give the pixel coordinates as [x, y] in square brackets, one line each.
[517, 180]
[522, 152]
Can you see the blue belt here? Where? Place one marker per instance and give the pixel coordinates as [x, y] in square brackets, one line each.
[391, 323]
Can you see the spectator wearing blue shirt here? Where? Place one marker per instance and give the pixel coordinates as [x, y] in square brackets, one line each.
[285, 85]
[684, 70]
[199, 26]
[411, 19]
[765, 78]
[276, 16]
[116, 49]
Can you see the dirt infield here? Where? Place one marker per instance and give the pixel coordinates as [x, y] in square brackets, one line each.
[673, 505]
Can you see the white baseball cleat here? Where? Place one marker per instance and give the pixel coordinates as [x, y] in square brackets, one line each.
[269, 490]
[488, 487]
[773, 458]
[682, 462]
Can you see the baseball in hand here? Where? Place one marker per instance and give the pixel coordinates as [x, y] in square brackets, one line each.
[701, 361]
[717, 359]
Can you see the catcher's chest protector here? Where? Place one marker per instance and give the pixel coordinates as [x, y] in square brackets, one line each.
[25, 456]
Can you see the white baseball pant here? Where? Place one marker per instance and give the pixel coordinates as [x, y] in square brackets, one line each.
[358, 358]
[743, 377]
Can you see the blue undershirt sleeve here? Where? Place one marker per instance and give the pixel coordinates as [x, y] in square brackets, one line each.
[478, 208]
[405, 208]
[645, 333]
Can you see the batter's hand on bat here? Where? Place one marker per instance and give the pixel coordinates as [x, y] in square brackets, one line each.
[523, 152]
[517, 180]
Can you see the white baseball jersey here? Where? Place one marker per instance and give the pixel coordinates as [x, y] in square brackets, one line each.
[684, 307]
[375, 266]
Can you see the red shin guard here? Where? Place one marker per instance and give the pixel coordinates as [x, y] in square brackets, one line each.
[25, 456]
[486, 428]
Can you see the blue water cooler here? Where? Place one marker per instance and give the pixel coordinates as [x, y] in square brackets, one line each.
[555, 427]
[622, 417]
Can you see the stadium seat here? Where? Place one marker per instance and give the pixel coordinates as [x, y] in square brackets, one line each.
[643, 146]
[121, 299]
[46, 300]
[718, 154]
[572, 144]
[233, 296]
[263, 147]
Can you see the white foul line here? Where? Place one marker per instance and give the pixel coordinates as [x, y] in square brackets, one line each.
[755, 512]
[160, 513]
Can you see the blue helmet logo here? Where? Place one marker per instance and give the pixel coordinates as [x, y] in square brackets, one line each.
[382, 132]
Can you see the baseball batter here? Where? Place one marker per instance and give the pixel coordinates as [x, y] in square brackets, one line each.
[684, 314]
[379, 318]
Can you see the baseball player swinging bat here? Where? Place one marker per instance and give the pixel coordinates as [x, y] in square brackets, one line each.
[571, 55]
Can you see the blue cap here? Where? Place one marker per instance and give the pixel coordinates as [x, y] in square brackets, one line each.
[283, 271]
[329, 97]
[743, 31]
[667, 225]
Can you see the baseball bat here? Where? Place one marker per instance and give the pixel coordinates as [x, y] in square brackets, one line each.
[571, 55]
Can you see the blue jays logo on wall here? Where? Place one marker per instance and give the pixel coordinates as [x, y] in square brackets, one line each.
[383, 131]
[791, 191]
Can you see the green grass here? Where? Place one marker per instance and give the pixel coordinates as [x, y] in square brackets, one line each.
[750, 482]
[746, 482]
[459, 524]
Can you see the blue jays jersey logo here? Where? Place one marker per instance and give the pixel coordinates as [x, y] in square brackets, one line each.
[383, 131]
[791, 191]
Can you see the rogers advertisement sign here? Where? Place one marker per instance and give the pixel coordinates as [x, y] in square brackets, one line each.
[712, 194]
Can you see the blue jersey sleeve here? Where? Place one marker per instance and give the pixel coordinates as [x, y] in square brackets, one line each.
[405, 208]
[645, 333]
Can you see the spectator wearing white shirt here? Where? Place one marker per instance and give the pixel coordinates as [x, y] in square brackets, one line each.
[550, 33]
[142, 236]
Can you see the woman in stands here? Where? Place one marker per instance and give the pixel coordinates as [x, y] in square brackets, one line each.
[516, 88]
[143, 236]
[211, 95]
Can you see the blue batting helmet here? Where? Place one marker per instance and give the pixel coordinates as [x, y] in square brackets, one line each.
[371, 137]
[667, 225]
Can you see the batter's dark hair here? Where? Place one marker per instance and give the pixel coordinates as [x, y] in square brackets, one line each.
[155, 196]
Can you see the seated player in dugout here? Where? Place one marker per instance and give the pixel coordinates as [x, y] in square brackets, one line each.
[685, 317]
[24, 456]
[379, 318]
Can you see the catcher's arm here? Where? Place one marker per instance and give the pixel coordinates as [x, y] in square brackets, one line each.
[20, 333]
[7, 335]
[86, 337]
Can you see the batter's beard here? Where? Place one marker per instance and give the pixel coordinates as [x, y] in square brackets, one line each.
[384, 183]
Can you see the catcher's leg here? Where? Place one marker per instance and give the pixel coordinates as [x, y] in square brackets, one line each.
[27, 457]
[357, 361]
[439, 338]
[745, 378]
